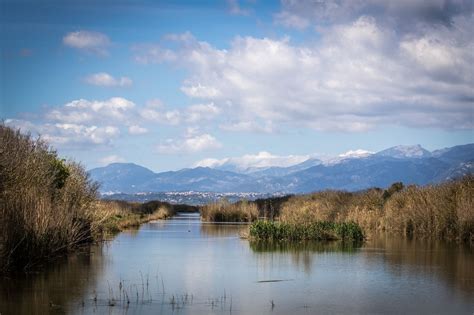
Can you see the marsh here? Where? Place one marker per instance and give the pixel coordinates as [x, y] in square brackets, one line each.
[186, 266]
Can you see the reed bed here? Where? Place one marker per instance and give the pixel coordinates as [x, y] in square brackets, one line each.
[443, 211]
[317, 231]
[224, 211]
[47, 205]
[121, 215]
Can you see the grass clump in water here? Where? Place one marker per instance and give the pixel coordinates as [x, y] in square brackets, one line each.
[318, 231]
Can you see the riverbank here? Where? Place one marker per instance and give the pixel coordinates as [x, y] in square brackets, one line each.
[49, 207]
[47, 204]
[442, 211]
[121, 215]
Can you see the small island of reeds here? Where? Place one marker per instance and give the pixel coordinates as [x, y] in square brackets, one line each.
[317, 231]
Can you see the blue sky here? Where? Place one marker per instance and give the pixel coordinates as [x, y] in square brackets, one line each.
[168, 85]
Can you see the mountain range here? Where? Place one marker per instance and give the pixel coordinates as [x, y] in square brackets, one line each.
[355, 171]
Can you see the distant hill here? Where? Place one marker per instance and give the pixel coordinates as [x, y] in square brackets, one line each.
[408, 164]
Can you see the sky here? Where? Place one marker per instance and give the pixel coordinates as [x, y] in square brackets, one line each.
[170, 84]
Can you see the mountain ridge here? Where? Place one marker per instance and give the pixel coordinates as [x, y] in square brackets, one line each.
[409, 164]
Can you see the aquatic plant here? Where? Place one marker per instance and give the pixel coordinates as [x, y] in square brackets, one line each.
[319, 231]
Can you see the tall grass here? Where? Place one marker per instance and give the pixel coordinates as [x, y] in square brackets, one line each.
[444, 211]
[224, 211]
[318, 231]
[47, 205]
[120, 215]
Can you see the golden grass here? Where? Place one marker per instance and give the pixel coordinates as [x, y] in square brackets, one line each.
[224, 211]
[47, 205]
[119, 215]
[444, 211]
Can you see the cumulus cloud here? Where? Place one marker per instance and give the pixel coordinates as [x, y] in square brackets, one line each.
[85, 111]
[199, 112]
[249, 161]
[137, 130]
[107, 80]
[106, 160]
[358, 76]
[248, 126]
[83, 122]
[68, 134]
[157, 112]
[91, 42]
[192, 142]
[170, 117]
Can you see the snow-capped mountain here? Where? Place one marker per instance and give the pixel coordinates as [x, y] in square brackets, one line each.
[353, 170]
[405, 152]
[250, 163]
[351, 154]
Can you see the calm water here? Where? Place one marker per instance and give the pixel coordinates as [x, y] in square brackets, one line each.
[183, 266]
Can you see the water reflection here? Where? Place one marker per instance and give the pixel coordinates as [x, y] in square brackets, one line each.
[223, 229]
[452, 263]
[301, 253]
[207, 262]
[55, 289]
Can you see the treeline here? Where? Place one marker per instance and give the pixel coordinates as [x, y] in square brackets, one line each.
[444, 211]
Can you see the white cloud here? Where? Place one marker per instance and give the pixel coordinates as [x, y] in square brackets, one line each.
[85, 111]
[210, 162]
[92, 42]
[155, 111]
[200, 91]
[68, 134]
[191, 143]
[170, 117]
[358, 76]
[248, 126]
[137, 130]
[199, 112]
[249, 161]
[81, 123]
[106, 160]
[107, 80]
